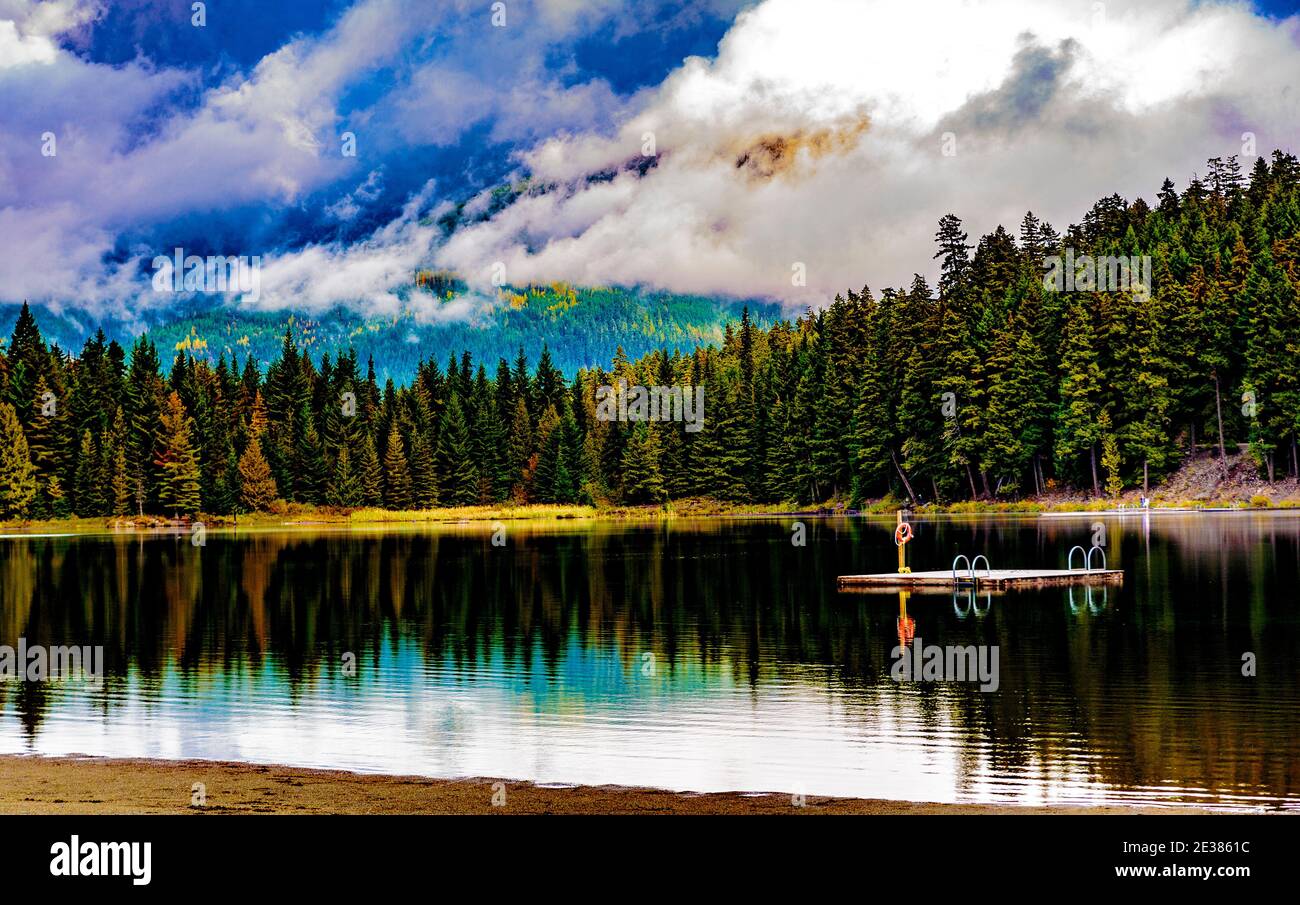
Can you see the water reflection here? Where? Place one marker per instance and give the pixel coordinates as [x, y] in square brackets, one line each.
[698, 655]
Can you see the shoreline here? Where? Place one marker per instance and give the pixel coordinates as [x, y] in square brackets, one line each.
[585, 514]
[83, 784]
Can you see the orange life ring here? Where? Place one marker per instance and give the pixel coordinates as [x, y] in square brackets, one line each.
[902, 534]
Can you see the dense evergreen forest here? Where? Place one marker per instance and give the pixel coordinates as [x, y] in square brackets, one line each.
[580, 324]
[987, 386]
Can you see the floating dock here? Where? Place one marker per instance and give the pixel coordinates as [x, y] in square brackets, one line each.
[992, 580]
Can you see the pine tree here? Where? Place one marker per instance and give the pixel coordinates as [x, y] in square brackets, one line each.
[956, 376]
[144, 396]
[1077, 431]
[177, 460]
[1141, 372]
[397, 473]
[1004, 455]
[519, 448]
[1269, 372]
[548, 384]
[56, 501]
[642, 480]
[954, 251]
[257, 490]
[549, 441]
[832, 416]
[17, 474]
[89, 499]
[1110, 455]
[225, 486]
[488, 440]
[568, 470]
[371, 474]
[44, 430]
[121, 483]
[921, 427]
[871, 438]
[28, 362]
[1019, 412]
[459, 475]
[424, 474]
[344, 487]
[309, 458]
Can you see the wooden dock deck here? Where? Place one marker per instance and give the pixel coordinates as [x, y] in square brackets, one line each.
[995, 580]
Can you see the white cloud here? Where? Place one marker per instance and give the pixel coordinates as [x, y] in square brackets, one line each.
[28, 29]
[814, 136]
[270, 136]
[49, 18]
[347, 207]
[17, 49]
[57, 233]
[765, 161]
[367, 274]
[135, 151]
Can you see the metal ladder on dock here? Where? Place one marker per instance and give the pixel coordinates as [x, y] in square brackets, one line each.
[968, 583]
[1087, 559]
[969, 579]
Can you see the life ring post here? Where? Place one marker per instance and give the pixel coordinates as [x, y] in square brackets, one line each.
[902, 534]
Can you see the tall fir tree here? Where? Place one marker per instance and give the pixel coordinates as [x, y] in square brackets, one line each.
[177, 459]
[257, 489]
[17, 474]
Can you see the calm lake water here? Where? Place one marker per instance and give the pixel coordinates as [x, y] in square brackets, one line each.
[699, 655]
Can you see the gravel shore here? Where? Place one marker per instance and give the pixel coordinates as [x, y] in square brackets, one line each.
[93, 785]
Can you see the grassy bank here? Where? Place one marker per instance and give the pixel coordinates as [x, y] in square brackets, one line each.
[303, 515]
[308, 516]
[1201, 484]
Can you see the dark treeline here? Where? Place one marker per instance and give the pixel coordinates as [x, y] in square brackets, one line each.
[991, 386]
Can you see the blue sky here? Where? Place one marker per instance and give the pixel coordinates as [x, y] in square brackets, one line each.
[227, 136]
[628, 52]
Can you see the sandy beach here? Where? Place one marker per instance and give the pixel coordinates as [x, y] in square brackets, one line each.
[93, 785]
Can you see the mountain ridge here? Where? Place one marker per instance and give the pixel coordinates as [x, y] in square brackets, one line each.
[581, 327]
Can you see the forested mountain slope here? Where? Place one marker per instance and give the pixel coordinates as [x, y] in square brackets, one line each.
[996, 383]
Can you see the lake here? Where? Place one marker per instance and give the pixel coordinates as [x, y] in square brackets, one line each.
[707, 655]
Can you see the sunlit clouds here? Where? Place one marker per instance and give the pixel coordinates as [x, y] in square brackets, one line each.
[814, 138]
